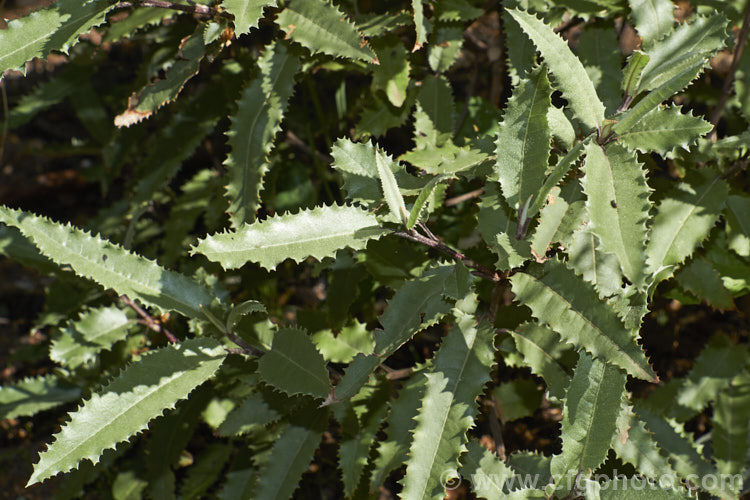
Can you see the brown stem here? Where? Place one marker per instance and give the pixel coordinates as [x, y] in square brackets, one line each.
[199, 9]
[463, 197]
[726, 90]
[245, 348]
[150, 321]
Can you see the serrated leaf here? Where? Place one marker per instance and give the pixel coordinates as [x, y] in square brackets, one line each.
[663, 129]
[436, 98]
[350, 341]
[291, 454]
[618, 206]
[737, 215]
[416, 305]
[498, 231]
[653, 19]
[523, 140]
[565, 67]
[637, 447]
[205, 471]
[445, 48]
[421, 23]
[321, 27]
[392, 74]
[95, 330]
[669, 56]
[685, 217]
[456, 10]
[294, 365]
[461, 369]
[729, 423]
[560, 127]
[32, 395]
[554, 178]
[486, 472]
[635, 488]
[701, 279]
[110, 265]
[600, 54]
[246, 13]
[540, 348]
[421, 202]
[599, 268]
[55, 28]
[631, 74]
[260, 110]
[124, 407]
[388, 184]
[572, 308]
[550, 221]
[592, 405]
[253, 413]
[314, 233]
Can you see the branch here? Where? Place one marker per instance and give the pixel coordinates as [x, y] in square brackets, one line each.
[150, 322]
[193, 8]
[726, 90]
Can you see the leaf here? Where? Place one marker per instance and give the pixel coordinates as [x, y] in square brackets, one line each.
[55, 28]
[571, 307]
[294, 365]
[291, 454]
[557, 222]
[461, 369]
[566, 68]
[322, 27]
[523, 140]
[664, 129]
[256, 122]
[560, 127]
[32, 395]
[631, 74]
[517, 398]
[498, 231]
[701, 279]
[600, 54]
[487, 474]
[314, 233]
[685, 217]
[636, 488]
[246, 13]
[392, 74]
[637, 447]
[456, 10]
[737, 215]
[554, 178]
[350, 341]
[95, 330]
[421, 202]
[445, 48]
[110, 265]
[540, 349]
[253, 413]
[124, 407]
[388, 184]
[205, 471]
[592, 405]
[599, 268]
[729, 424]
[618, 206]
[671, 55]
[421, 24]
[653, 19]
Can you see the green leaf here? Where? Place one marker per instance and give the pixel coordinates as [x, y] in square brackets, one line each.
[436, 98]
[671, 55]
[560, 127]
[631, 74]
[566, 68]
[291, 454]
[571, 307]
[637, 447]
[445, 48]
[388, 184]
[55, 28]
[32, 395]
[523, 140]
[321, 27]
[599, 268]
[314, 233]
[205, 471]
[634, 488]
[456, 10]
[700, 278]
[421, 24]
[95, 330]
[498, 231]
[246, 13]
[391, 75]
[124, 407]
[294, 365]
[253, 413]
[421, 202]
[592, 404]
[729, 423]
[342, 347]
[685, 217]
[618, 206]
[110, 265]
[517, 398]
[554, 178]
[653, 19]
[462, 366]
[737, 215]
[664, 129]
[540, 349]
[486, 472]
[557, 222]
[600, 54]
[256, 122]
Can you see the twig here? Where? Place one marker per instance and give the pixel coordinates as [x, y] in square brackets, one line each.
[463, 197]
[193, 8]
[245, 348]
[150, 322]
[726, 90]
[479, 269]
[298, 143]
[398, 374]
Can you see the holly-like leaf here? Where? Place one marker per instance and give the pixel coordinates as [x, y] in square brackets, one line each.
[566, 68]
[421, 24]
[321, 27]
[445, 48]
[572, 308]
[32, 395]
[110, 265]
[729, 423]
[294, 365]
[260, 111]
[600, 54]
[599, 268]
[55, 28]
[553, 179]
[498, 230]
[540, 349]
[124, 407]
[663, 129]
[388, 184]
[461, 369]
[637, 447]
[253, 413]
[314, 233]
[618, 206]
[631, 74]
[653, 19]
[685, 217]
[488, 475]
[523, 140]
[700, 278]
[246, 13]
